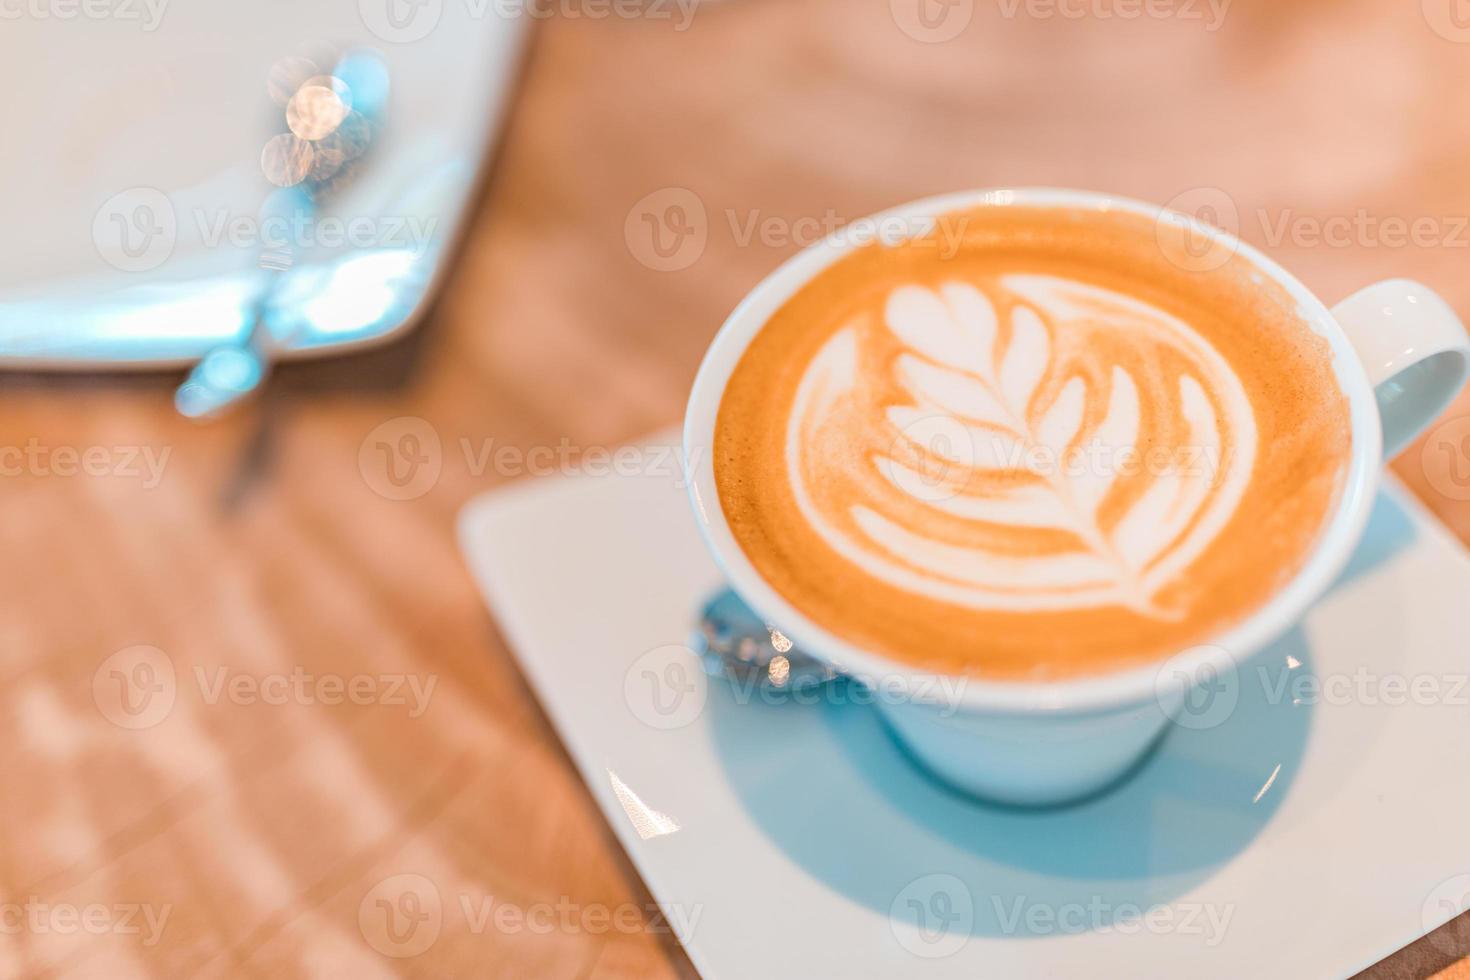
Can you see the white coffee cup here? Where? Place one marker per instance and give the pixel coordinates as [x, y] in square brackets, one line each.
[1400, 356]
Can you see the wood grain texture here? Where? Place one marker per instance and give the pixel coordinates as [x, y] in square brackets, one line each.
[266, 548]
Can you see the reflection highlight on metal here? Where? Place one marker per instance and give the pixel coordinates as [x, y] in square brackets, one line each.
[738, 644]
[329, 118]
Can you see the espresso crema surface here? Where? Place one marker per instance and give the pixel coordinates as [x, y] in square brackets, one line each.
[1032, 445]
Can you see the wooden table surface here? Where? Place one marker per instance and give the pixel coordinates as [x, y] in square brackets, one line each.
[266, 561]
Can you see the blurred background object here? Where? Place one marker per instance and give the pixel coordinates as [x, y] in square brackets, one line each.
[655, 168]
[160, 135]
[329, 123]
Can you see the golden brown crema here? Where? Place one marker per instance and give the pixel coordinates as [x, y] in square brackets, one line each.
[1032, 445]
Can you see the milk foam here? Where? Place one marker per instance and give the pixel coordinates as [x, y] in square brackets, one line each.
[1007, 459]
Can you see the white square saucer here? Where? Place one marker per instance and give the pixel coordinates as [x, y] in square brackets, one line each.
[1316, 830]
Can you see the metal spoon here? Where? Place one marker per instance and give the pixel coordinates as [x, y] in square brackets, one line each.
[737, 643]
[233, 370]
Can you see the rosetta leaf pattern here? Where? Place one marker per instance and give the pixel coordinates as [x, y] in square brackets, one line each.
[967, 370]
[990, 396]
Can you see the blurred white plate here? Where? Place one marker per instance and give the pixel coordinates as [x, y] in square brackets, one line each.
[132, 173]
[1302, 835]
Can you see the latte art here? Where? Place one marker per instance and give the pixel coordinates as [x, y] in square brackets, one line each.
[1046, 451]
[940, 479]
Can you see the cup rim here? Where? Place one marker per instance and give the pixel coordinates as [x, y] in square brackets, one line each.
[1088, 693]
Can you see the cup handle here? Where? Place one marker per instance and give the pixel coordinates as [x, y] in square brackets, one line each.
[1415, 350]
